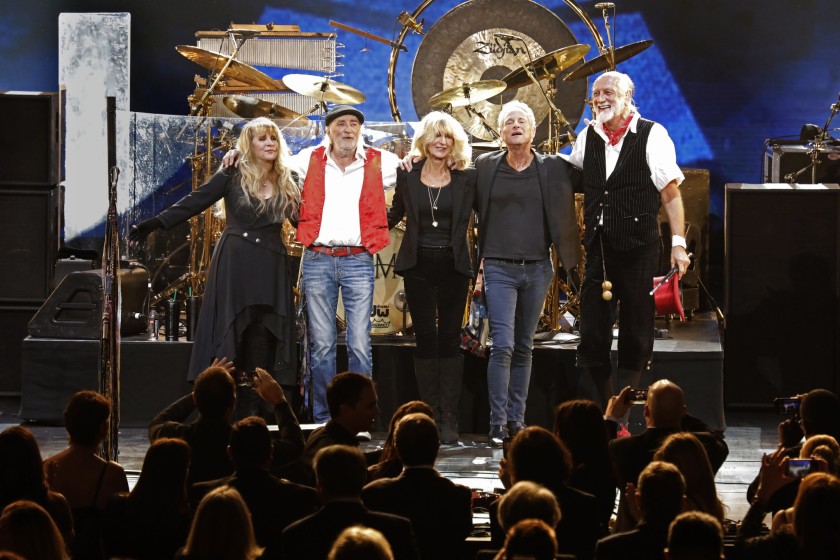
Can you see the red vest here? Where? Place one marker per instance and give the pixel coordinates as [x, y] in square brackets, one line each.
[372, 215]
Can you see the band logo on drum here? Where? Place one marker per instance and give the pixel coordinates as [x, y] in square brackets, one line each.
[384, 270]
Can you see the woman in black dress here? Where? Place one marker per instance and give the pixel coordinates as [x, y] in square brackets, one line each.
[247, 314]
[436, 197]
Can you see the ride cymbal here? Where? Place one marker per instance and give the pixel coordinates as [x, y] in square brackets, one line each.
[602, 62]
[214, 62]
[324, 89]
[467, 93]
[546, 66]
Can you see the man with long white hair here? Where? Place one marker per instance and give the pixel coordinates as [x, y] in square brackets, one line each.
[629, 171]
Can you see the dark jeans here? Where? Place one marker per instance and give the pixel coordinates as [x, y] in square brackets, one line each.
[631, 274]
[437, 297]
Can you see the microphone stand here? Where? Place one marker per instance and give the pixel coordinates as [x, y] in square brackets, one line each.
[814, 153]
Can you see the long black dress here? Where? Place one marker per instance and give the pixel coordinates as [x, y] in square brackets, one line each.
[248, 280]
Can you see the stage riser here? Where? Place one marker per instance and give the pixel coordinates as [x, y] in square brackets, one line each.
[153, 376]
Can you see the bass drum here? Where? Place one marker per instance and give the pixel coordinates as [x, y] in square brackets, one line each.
[389, 315]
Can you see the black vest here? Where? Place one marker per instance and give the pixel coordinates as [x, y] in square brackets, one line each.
[629, 199]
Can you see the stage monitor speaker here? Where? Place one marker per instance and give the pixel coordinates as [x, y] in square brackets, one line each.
[782, 292]
[13, 320]
[37, 158]
[74, 309]
[29, 240]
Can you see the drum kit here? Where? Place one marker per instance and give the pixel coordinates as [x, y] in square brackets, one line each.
[462, 66]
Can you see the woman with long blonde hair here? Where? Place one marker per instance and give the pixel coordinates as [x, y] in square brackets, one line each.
[247, 314]
[221, 529]
[436, 198]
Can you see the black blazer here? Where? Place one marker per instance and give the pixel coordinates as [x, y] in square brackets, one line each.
[407, 203]
[558, 202]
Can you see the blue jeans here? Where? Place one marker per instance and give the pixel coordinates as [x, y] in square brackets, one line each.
[515, 297]
[323, 277]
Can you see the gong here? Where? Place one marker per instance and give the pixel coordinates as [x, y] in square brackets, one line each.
[461, 47]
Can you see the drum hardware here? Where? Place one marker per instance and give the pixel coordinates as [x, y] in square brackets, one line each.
[490, 130]
[547, 66]
[818, 139]
[401, 303]
[367, 35]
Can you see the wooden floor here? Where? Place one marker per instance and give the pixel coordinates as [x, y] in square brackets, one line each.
[474, 463]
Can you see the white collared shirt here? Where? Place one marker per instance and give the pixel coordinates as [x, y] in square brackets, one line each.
[660, 154]
[340, 219]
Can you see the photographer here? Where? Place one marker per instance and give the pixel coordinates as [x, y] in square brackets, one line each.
[665, 413]
[817, 415]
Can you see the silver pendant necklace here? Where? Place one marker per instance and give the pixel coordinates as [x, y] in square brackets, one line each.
[433, 203]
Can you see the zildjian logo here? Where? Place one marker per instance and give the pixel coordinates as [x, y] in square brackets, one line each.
[498, 48]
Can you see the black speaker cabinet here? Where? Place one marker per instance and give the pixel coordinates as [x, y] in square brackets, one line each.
[13, 320]
[29, 240]
[782, 291]
[36, 160]
[74, 309]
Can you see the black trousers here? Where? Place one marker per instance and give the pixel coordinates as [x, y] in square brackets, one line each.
[437, 296]
[631, 274]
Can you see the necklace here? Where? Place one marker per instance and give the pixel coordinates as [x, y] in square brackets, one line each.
[433, 203]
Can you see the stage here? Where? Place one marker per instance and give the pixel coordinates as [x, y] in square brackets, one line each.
[153, 374]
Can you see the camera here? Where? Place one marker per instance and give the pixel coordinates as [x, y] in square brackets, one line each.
[246, 378]
[800, 467]
[788, 406]
[637, 396]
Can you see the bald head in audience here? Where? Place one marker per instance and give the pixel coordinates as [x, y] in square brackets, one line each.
[665, 406]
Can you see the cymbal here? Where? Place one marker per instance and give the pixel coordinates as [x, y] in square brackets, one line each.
[486, 145]
[467, 93]
[602, 62]
[240, 71]
[323, 88]
[550, 64]
[250, 107]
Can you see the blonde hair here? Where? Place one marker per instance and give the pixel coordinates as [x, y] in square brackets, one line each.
[438, 122]
[28, 530]
[222, 529]
[285, 194]
[362, 543]
[825, 447]
[684, 451]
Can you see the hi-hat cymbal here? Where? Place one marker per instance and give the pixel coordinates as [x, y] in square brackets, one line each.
[250, 107]
[240, 71]
[547, 65]
[602, 62]
[467, 93]
[324, 89]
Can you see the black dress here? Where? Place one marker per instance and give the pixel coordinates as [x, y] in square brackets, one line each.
[248, 280]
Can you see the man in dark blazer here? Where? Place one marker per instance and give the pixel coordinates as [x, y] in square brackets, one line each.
[525, 204]
[665, 414]
[660, 496]
[274, 503]
[214, 396]
[341, 472]
[439, 510]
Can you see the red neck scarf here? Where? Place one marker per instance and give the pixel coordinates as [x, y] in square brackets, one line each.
[615, 137]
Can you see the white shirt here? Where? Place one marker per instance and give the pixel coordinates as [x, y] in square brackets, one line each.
[342, 189]
[660, 154]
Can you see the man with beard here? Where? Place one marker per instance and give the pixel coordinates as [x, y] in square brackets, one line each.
[629, 171]
[342, 225]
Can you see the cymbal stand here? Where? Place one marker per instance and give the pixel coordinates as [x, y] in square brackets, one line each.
[819, 143]
[319, 107]
[610, 50]
[558, 120]
[473, 111]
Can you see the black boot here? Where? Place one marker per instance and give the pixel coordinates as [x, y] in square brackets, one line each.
[451, 378]
[428, 383]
